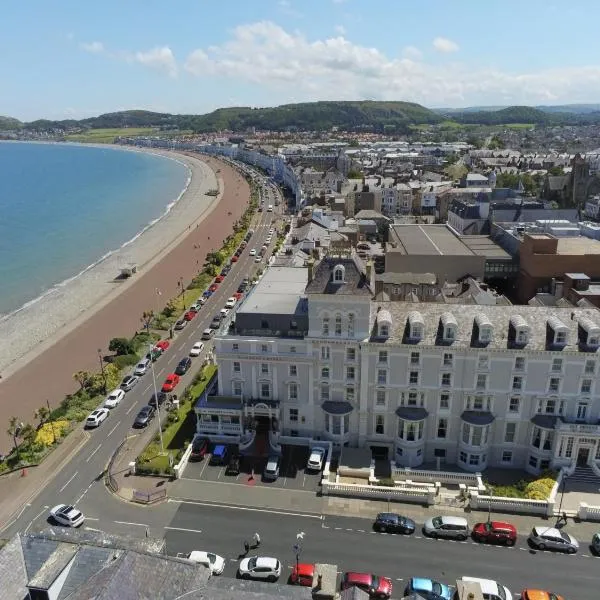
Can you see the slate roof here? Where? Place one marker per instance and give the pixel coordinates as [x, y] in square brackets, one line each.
[12, 570]
[337, 407]
[399, 278]
[477, 417]
[227, 588]
[355, 283]
[411, 413]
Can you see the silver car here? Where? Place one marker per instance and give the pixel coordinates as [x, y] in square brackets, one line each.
[553, 539]
[454, 528]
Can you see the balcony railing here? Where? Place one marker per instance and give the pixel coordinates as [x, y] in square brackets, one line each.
[578, 428]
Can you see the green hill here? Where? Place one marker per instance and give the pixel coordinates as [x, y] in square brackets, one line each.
[512, 114]
[9, 123]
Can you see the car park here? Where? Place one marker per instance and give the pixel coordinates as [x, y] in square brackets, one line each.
[490, 589]
[449, 527]
[114, 398]
[157, 399]
[212, 561]
[316, 458]
[230, 302]
[219, 455]
[534, 594]
[129, 382]
[180, 324]
[551, 538]
[374, 585]
[233, 466]
[170, 382]
[189, 315]
[393, 523]
[207, 334]
[197, 349]
[260, 567]
[96, 418]
[303, 574]
[199, 448]
[183, 366]
[495, 532]
[271, 472]
[144, 417]
[67, 515]
[142, 367]
[428, 589]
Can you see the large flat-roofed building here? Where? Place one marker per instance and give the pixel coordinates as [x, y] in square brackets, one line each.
[471, 385]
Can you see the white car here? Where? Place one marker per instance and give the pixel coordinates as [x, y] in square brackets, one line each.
[114, 398]
[224, 312]
[129, 381]
[67, 515]
[253, 252]
[554, 539]
[490, 589]
[316, 458]
[230, 302]
[197, 349]
[260, 567]
[257, 259]
[97, 417]
[214, 562]
[271, 231]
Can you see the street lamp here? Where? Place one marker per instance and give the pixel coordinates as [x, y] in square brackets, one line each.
[102, 368]
[298, 549]
[180, 284]
[491, 493]
[562, 495]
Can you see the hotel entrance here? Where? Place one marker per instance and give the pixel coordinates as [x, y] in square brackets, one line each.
[583, 456]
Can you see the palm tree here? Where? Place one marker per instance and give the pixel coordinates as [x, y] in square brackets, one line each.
[42, 414]
[82, 378]
[15, 427]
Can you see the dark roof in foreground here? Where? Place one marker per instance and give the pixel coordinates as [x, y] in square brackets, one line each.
[354, 283]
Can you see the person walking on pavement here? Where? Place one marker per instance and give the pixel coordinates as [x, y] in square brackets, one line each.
[256, 540]
[246, 547]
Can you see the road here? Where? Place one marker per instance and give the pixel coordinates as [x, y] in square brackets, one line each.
[80, 481]
[351, 544]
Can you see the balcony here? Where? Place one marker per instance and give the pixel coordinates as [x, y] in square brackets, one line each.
[584, 428]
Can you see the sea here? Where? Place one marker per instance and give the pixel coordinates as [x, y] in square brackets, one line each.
[65, 207]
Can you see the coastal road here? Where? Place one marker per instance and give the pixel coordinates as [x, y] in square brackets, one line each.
[351, 544]
[81, 480]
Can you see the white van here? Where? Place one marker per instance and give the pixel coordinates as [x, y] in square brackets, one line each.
[270, 208]
[142, 367]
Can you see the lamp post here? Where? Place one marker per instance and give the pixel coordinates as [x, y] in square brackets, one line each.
[162, 447]
[180, 284]
[491, 493]
[298, 549]
[102, 368]
[562, 494]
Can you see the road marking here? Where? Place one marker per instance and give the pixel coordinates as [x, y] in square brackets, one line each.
[161, 371]
[129, 523]
[92, 529]
[249, 508]
[399, 579]
[184, 529]
[181, 347]
[91, 519]
[68, 482]
[130, 409]
[94, 452]
[149, 386]
[338, 528]
[113, 429]
[35, 519]
[361, 531]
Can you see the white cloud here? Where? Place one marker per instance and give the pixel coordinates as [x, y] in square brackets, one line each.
[412, 52]
[340, 29]
[159, 58]
[266, 55]
[93, 47]
[442, 44]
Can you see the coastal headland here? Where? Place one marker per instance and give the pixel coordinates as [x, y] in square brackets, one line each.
[45, 343]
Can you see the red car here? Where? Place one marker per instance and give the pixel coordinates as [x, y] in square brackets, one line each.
[219, 278]
[170, 382]
[238, 295]
[189, 315]
[303, 575]
[234, 259]
[163, 344]
[199, 449]
[376, 586]
[214, 287]
[495, 532]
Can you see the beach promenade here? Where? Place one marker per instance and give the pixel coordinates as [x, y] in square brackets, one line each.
[45, 373]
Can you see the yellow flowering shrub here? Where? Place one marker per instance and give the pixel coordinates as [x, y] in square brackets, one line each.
[45, 434]
[539, 489]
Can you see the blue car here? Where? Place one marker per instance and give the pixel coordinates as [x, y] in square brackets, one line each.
[207, 294]
[428, 589]
[219, 455]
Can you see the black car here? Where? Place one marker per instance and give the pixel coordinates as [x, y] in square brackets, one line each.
[393, 523]
[216, 322]
[199, 448]
[233, 467]
[183, 366]
[144, 417]
[161, 396]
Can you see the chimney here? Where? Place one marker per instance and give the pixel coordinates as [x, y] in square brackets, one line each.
[369, 273]
[311, 269]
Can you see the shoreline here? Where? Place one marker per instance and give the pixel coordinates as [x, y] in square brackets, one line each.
[39, 321]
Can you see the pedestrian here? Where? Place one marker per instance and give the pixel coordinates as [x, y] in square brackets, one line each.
[246, 547]
[256, 540]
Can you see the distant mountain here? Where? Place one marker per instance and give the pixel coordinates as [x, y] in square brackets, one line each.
[505, 116]
[578, 109]
[10, 123]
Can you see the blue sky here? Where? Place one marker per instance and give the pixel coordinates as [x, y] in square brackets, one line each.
[73, 59]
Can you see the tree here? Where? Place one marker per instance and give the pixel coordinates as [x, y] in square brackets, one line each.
[82, 378]
[41, 414]
[354, 174]
[146, 319]
[28, 434]
[121, 346]
[14, 430]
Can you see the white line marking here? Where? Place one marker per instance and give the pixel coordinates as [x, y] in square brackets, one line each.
[161, 371]
[149, 386]
[34, 519]
[92, 529]
[68, 482]
[94, 452]
[181, 347]
[113, 429]
[129, 523]
[249, 508]
[184, 529]
[91, 519]
[174, 357]
[130, 409]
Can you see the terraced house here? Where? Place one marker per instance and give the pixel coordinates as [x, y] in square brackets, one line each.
[476, 386]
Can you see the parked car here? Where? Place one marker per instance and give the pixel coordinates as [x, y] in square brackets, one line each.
[428, 589]
[208, 333]
[271, 471]
[491, 590]
[157, 399]
[224, 312]
[595, 545]
[553, 539]
[303, 574]
[96, 418]
[316, 458]
[238, 296]
[170, 382]
[144, 417]
[142, 367]
[114, 398]
[183, 366]
[450, 527]
[375, 586]
[219, 455]
[233, 467]
[252, 252]
[234, 258]
[189, 315]
[260, 567]
[163, 345]
[154, 354]
[197, 349]
[216, 321]
[67, 515]
[532, 594]
[199, 448]
[393, 523]
[180, 324]
[207, 294]
[241, 288]
[230, 302]
[213, 288]
[129, 382]
[219, 278]
[495, 532]
[257, 259]
[212, 561]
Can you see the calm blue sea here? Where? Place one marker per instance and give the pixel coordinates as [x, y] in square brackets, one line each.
[63, 207]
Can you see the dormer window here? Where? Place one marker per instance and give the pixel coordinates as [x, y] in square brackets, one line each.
[485, 328]
[520, 330]
[558, 332]
[449, 327]
[384, 330]
[416, 325]
[384, 323]
[338, 274]
[589, 333]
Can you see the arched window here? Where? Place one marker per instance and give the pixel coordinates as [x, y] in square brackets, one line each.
[325, 325]
[338, 324]
[338, 274]
[351, 325]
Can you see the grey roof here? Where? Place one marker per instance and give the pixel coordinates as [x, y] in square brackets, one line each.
[499, 316]
[411, 413]
[545, 421]
[477, 417]
[354, 593]
[12, 570]
[337, 407]
[53, 566]
[227, 588]
[430, 240]
[219, 402]
[368, 214]
[36, 552]
[413, 278]
[88, 561]
[355, 283]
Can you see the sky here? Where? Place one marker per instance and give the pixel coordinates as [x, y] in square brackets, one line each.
[76, 59]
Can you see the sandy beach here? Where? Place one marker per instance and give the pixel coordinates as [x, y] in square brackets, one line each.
[61, 333]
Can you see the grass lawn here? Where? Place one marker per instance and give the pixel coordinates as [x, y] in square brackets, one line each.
[519, 125]
[107, 136]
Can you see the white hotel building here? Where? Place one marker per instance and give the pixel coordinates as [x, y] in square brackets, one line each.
[475, 386]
